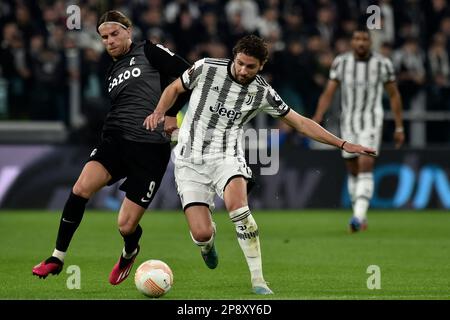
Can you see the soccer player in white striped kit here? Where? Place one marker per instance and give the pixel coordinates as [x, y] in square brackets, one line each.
[361, 75]
[209, 157]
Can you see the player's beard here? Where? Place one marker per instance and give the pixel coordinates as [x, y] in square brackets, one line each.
[362, 53]
[245, 81]
[119, 51]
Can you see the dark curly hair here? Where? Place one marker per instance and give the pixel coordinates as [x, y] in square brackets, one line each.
[253, 46]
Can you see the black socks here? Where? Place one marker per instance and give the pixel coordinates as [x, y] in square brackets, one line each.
[132, 240]
[70, 220]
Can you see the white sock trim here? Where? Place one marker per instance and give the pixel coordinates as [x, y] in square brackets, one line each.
[240, 214]
[365, 175]
[128, 255]
[205, 244]
[59, 254]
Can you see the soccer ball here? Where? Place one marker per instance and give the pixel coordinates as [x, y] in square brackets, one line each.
[153, 278]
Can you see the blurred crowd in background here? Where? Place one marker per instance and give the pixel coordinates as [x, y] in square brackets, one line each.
[40, 58]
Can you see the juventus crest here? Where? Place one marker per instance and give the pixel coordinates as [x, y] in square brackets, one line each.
[249, 98]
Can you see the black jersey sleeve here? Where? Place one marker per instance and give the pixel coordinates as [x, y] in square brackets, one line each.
[170, 66]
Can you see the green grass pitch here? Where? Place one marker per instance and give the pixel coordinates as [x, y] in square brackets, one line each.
[306, 255]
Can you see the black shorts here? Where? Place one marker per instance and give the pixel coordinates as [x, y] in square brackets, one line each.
[142, 164]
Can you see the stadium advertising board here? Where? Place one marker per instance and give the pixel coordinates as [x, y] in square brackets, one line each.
[40, 177]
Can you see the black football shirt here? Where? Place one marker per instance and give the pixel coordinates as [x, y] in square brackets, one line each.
[135, 82]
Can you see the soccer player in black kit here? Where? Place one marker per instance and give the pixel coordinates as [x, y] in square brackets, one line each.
[138, 75]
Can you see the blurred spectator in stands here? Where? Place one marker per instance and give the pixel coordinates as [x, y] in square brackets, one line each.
[15, 67]
[445, 29]
[123, 5]
[352, 9]
[326, 24]
[274, 4]
[150, 19]
[342, 45]
[185, 31]
[209, 24]
[248, 10]
[268, 25]
[409, 63]
[382, 35]
[293, 24]
[435, 11]
[49, 93]
[212, 28]
[346, 28]
[6, 11]
[324, 62]
[315, 47]
[88, 36]
[388, 20]
[56, 38]
[236, 29]
[50, 17]
[410, 21]
[438, 93]
[215, 49]
[25, 23]
[290, 80]
[94, 104]
[439, 74]
[216, 6]
[91, 76]
[173, 10]
[386, 50]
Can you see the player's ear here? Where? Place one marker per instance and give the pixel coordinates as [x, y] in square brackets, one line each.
[129, 30]
[262, 65]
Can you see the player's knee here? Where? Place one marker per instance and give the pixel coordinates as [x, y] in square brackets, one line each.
[202, 234]
[366, 164]
[81, 190]
[127, 228]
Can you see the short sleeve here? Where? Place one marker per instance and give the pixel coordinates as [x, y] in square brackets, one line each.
[387, 71]
[274, 105]
[191, 76]
[336, 69]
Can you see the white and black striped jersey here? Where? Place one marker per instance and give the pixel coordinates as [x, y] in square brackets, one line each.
[219, 107]
[361, 84]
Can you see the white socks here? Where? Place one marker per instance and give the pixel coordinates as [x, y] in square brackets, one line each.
[351, 186]
[247, 234]
[59, 254]
[363, 194]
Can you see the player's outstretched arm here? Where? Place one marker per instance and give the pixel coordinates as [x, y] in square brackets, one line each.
[313, 130]
[168, 98]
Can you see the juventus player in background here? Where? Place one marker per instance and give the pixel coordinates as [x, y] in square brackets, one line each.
[361, 75]
[209, 157]
[139, 73]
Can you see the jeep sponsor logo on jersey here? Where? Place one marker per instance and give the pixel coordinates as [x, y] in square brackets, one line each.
[224, 112]
[135, 72]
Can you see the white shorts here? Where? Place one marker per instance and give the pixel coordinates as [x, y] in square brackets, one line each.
[369, 138]
[199, 183]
